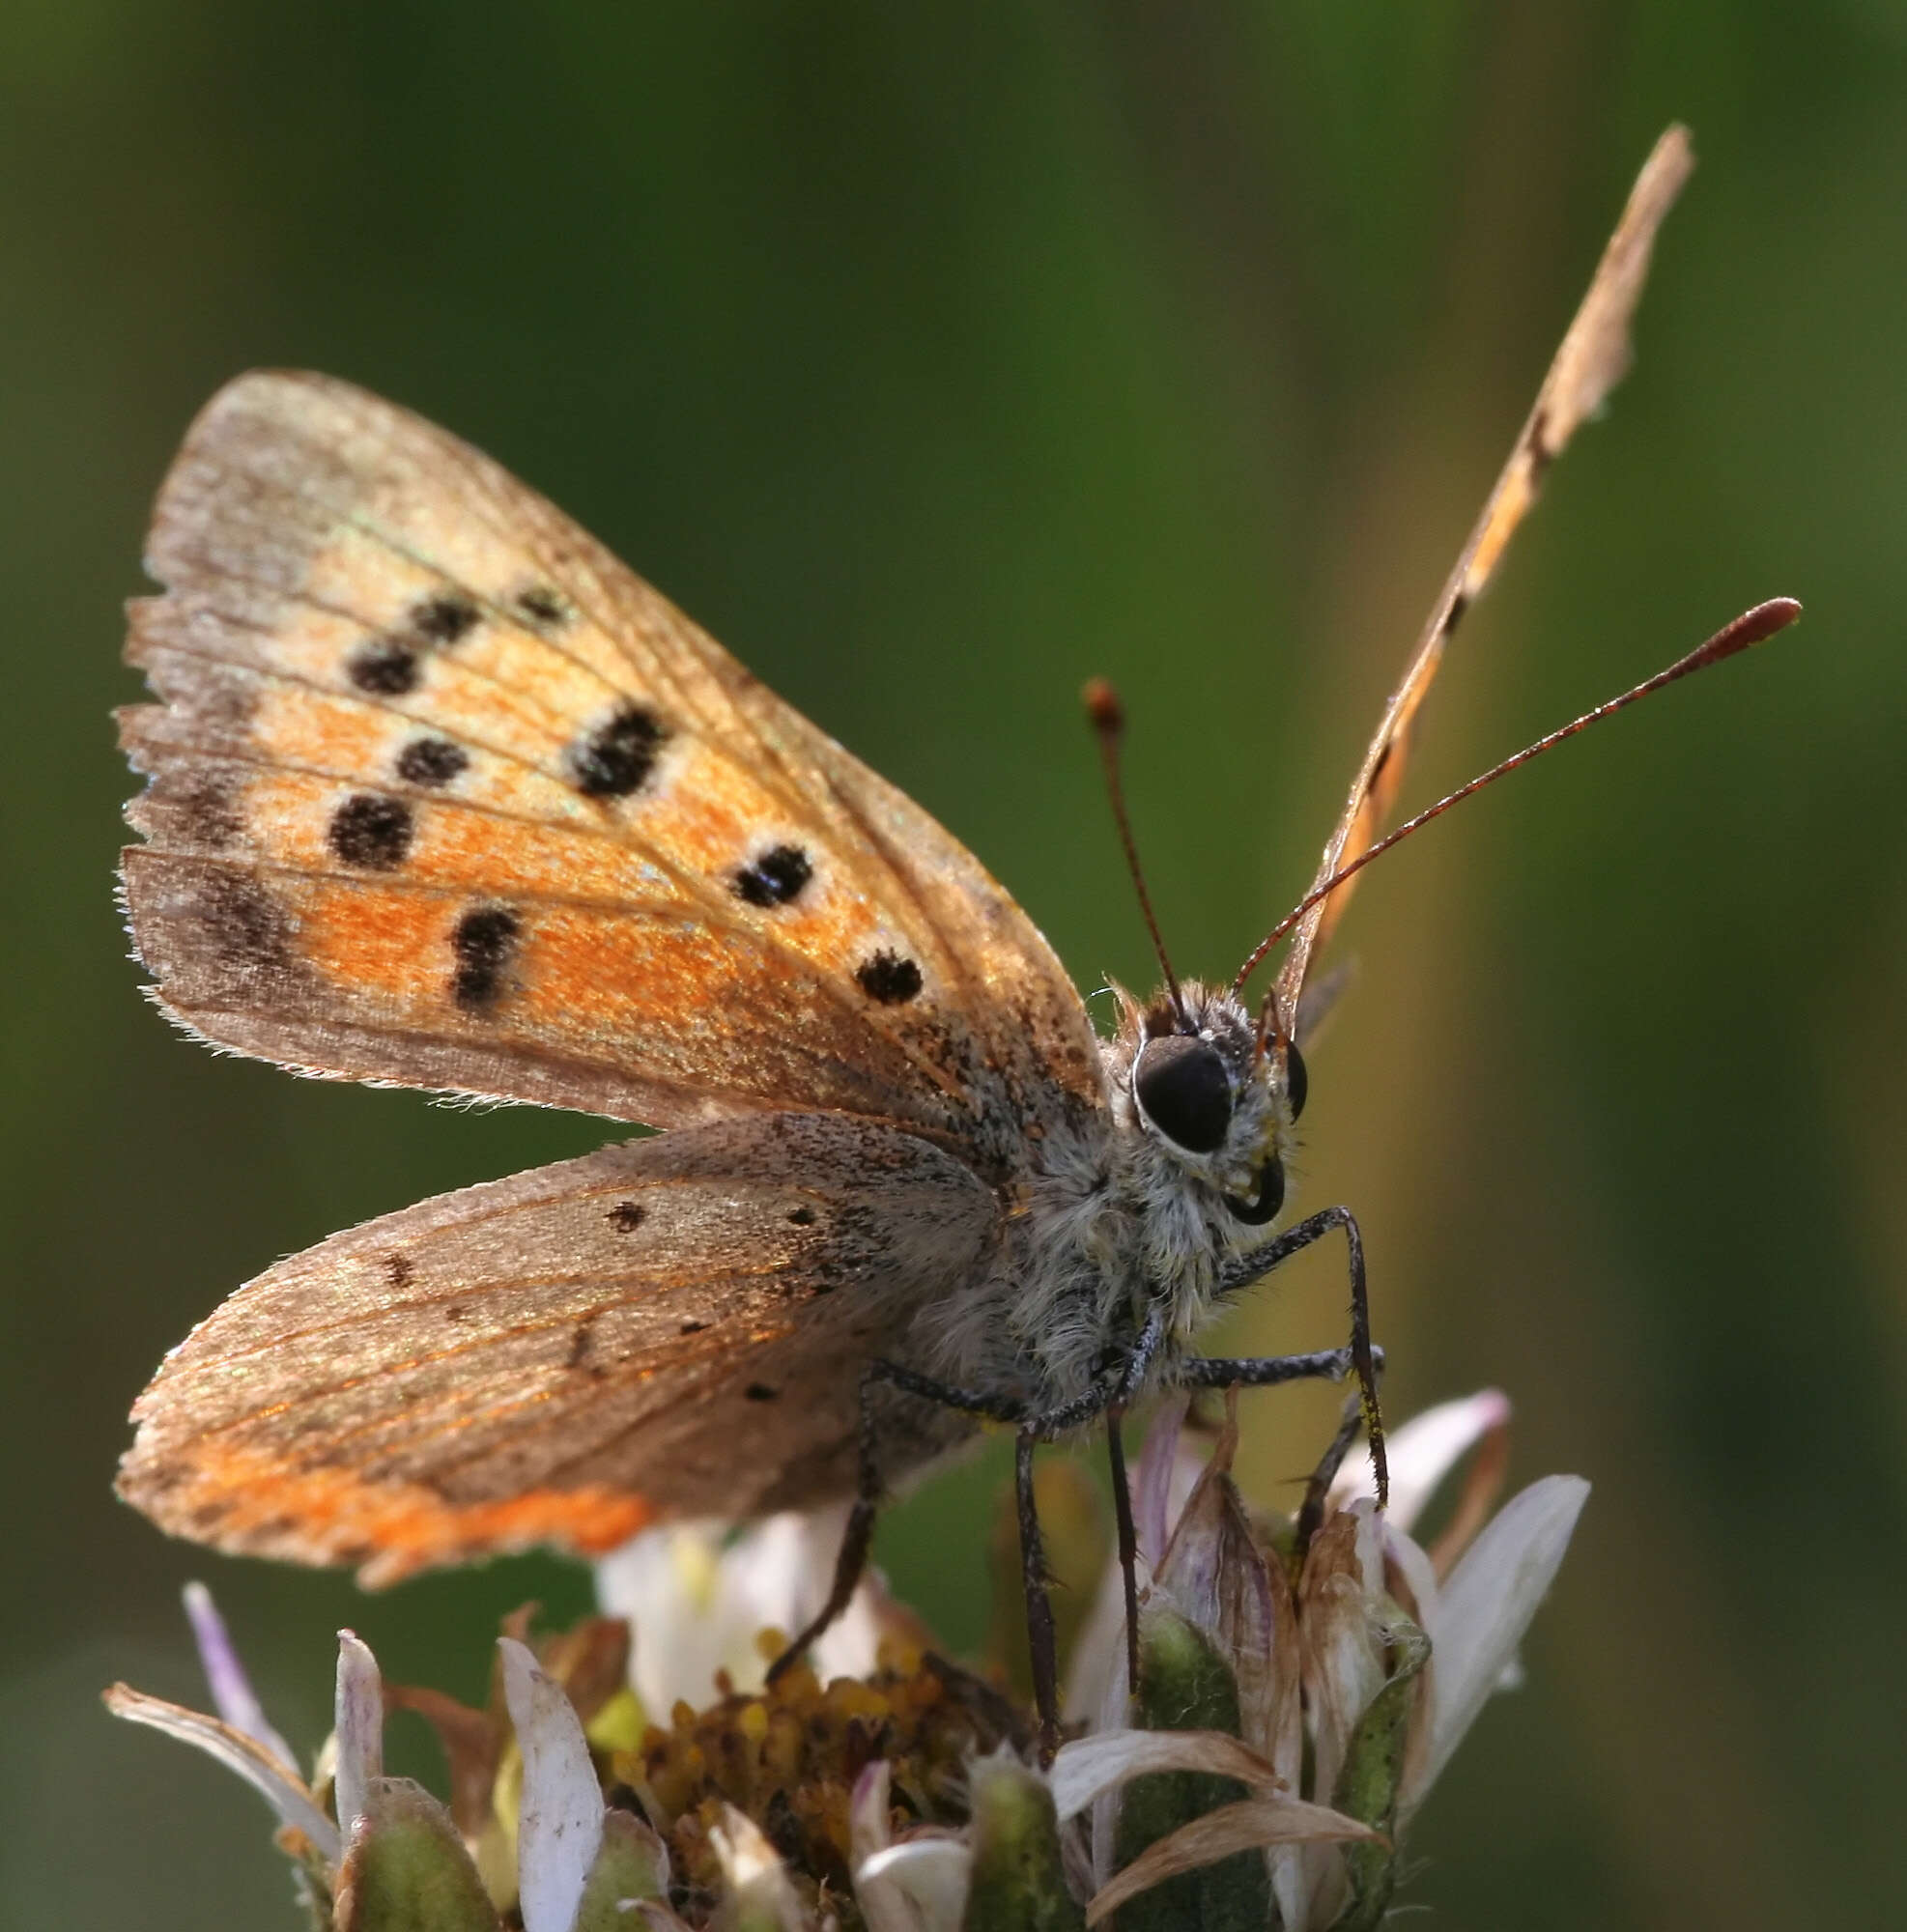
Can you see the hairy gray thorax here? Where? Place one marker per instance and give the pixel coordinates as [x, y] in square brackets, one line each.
[1118, 1219]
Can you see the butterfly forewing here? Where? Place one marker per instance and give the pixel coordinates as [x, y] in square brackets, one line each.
[676, 1328]
[445, 795]
[1591, 361]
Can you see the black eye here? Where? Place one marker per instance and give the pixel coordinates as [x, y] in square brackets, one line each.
[1270, 1196]
[1297, 1082]
[1181, 1086]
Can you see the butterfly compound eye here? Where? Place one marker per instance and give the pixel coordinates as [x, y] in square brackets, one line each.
[1181, 1089]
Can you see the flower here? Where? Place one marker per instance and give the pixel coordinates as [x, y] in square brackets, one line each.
[702, 1593]
[1350, 1667]
[1301, 1685]
[387, 1857]
[377, 1854]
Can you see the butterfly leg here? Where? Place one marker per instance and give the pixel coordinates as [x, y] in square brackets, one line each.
[1360, 1357]
[1129, 1537]
[871, 1491]
[1034, 1583]
[1138, 1366]
[1110, 1399]
[1032, 1429]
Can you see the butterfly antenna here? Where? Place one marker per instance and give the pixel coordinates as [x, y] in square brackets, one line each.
[1107, 716]
[1751, 626]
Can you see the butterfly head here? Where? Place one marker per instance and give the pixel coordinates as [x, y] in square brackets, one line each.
[1190, 1078]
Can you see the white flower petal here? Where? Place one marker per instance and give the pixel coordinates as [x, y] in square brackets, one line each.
[868, 1804]
[1114, 1715]
[1485, 1606]
[232, 1695]
[697, 1596]
[757, 1881]
[358, 1726]
[918, 1885]
[1421, 1453]
[1089, 1766]
[275, 1781]
[790, 1577]
[1414, 1575]
[667, 1584]
[559, 1826]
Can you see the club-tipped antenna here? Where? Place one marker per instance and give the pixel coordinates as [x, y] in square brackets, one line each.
[1751, 626]
[1107, 716]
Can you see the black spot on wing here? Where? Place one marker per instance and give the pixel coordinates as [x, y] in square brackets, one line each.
[618, 758]
[197, 808]
[776, 878]
[626, 1216]
[445, 619]
[761, 1392]
[392, 664]
[889, 979]
[483, 944]
[383, 668]
[431, 762]
[371, 831]
[583, 1348]
[245, 932]
[545, 605]
[398, 1270]
[801, 1217]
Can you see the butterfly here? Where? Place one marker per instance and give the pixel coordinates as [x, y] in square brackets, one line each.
[444, 795]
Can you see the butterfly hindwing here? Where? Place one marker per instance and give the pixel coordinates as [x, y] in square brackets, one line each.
[445, 795]
[673, 1327]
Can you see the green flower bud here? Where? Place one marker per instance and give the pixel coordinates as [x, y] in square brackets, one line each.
[631, 1864]
[1368, 1785]
[1018, 1876]
[405, 1868]
[1185, 1685]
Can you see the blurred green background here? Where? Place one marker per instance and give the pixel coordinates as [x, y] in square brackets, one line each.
[936, 358]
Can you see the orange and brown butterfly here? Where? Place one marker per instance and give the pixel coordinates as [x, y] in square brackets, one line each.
[443, 794]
